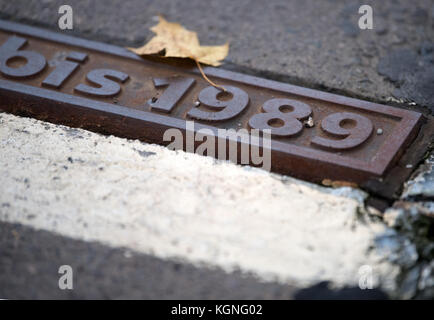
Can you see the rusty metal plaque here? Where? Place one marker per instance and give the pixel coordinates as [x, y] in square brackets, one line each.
[104, 88]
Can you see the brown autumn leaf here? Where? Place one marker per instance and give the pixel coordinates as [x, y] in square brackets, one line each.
[174, 41]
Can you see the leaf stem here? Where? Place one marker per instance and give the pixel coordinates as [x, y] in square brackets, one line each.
[206, 78]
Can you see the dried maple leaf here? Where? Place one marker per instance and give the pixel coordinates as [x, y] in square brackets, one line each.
[174, 41]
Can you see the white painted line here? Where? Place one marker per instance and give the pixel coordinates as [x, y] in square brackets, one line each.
[177, 205]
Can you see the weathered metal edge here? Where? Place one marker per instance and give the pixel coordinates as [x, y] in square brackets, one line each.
[24, 99]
